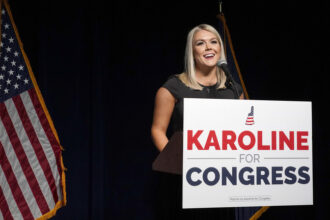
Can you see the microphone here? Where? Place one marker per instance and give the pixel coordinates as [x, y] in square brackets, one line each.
[224, 66]
[230, 81]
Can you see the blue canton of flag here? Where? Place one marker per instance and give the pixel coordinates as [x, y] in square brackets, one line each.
[14, 77]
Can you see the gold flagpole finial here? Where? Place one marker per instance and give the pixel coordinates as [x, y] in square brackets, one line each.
[220, 7]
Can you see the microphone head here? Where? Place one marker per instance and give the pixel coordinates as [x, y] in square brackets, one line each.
[220, 63]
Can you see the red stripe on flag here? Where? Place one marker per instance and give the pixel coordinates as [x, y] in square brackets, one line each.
[45, 125]
[13, 184]
[21, 156]
[36, 145]
[4, 208]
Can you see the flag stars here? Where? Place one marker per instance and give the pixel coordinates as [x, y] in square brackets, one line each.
[13, 78]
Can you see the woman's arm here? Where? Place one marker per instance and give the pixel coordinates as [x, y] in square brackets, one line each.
[241, 96]
[164, 105]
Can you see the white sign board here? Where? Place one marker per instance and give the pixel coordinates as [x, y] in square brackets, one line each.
[240, 153]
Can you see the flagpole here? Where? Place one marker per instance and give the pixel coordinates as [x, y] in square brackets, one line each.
[226, 37]
[220, 7]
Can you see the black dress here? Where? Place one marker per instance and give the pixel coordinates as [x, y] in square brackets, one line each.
[180, 91]
[169, 204]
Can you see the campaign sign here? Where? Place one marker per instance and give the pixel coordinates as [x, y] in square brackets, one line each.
[240, 153]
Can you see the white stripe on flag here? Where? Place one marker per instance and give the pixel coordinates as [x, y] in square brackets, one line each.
[1, 216]
[12, 205]
[29, 151]
[19, 174]
[43, 141]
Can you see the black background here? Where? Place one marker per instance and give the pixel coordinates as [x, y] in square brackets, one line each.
[99, 64]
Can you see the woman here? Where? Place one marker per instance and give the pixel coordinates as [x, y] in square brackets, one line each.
[202, 79]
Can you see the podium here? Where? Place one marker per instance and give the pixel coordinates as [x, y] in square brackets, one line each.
[170, 159]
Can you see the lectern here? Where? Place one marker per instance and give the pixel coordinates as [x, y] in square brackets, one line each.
[170, 159]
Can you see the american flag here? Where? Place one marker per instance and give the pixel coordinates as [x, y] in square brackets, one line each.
[250, 117]
[32, 180]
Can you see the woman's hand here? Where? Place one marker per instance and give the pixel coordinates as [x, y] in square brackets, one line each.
[164, 105]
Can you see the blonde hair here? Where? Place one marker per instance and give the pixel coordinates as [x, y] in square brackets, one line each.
[188, 76]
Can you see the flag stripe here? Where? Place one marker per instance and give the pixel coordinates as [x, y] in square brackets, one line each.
[4, 208]
[28, 147]
[18, 173]
[13, 184]
[22, 158]
[8, 196]
[37, 147]
[1, 216]
[43, 141]
[45, 124]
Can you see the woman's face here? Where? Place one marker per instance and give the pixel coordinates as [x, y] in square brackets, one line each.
[206, 49]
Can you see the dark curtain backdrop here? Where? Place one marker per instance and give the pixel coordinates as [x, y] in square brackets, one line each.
[99, 64]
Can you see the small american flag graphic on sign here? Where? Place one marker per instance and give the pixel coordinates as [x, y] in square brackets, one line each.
[250, 117]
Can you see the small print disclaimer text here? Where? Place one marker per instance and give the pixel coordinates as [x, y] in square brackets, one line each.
[249, 198]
